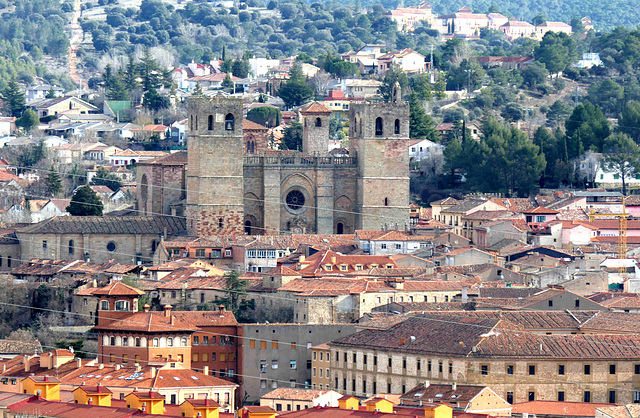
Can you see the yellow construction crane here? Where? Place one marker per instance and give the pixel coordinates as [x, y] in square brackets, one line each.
[622, 231]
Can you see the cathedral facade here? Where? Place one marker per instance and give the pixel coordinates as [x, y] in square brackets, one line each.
[223, 188]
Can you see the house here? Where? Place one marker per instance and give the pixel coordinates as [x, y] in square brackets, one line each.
[35, 210]
[7, 125]
[538, 216]
[424, 149]
[130, 157]
[547, 409]
[362, 88]
[408, 60]
[496, 20]
[515, 29]
[389, 242]
[589, 59]
[545, 300]
[469, 398]
[407, 17]
[486, 352]
[40, 92]
[295, 399]
[62, 105]
[453, 215]
[210, 81]
[556, 27]
[148, 132]
[463, 23]
[465, 257]
[365, 58]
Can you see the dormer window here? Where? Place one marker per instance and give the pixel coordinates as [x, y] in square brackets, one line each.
[328, 267]
[343, 267]
[374, 266]
[358, 267]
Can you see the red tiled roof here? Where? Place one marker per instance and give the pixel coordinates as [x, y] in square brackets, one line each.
[315, 107]
[117, 288]
[36, 406]
[148, 322]
[555, 408]
[540, 209]
[248, 125]
[294, 394]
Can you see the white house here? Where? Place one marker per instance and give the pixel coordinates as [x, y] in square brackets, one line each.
[420, 149]
[611, 180]
[261, 66]
[589, 59]
[40, 92]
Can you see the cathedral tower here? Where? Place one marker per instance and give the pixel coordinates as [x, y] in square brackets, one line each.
[215, 167]
[315, 129]
[379, 134]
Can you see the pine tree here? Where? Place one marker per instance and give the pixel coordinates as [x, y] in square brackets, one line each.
[54, 183]
[85, 202]
[14, 97]
[421, 125]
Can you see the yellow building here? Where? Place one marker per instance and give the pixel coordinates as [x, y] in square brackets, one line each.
[92, 395]
[148, 402]
[435, 410]
[320, 363]
[45, 386]
[380, 405]
[258, 412]
[203, 408]
[348, 402]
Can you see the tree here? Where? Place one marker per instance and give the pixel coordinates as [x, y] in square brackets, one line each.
[468, 75]
[240, 68]
[51, 94]
[292, 136]
[557, 113]
[512, 112]
[227, 83]
[629, 122]
[393, 75]
[622, 157]
[421, 125]
[295, 91]
[85, 202]
[105, 178]
[533, 75]
[265, 116]
[556, 51]
[28, 120]
[153, 100]
[31, 156]
[607, 94]
[54, 183]
[13, 97]
[586, 129]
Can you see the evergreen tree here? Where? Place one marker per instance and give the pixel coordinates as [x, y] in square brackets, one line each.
[104, 178]
[292, 136]
[629, 122]
[131, 75]
[51, 94]
[85, 202]
[295, 91]
[393, 75]
[28, 120]
[227, 83]
[622, 158]
[13, 97]
[54, 183]
[586, 129]
[421, 125]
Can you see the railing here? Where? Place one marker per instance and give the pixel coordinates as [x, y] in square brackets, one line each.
[299, 160]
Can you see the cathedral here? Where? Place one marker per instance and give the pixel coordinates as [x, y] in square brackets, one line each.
[223, 187]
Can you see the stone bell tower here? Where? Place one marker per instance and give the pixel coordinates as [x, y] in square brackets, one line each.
[379, 136]
[215, 167]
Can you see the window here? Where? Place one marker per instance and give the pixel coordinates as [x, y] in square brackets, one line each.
[112, 358]
[389, 362]
[439, 367]
[636, 369]
[274, 344]
[510, 397]
[398, 246]
[636, 396]
[560, 396]
[111, 246]
[612, 396]
[155, 342]
[205, 356]
[396, 130]
[112, 341]
[122, 305]
[541, 218]
[292, 365]
[184, 342]
[587, 396]
[195, 357]
[85, 301]
[532, 370]
[229, 122]
[532, 396]
[587, 369]
[44, 245]
[318, 122]
[379, 127]
[612, 369]
[70, 246]
[383, 246]
[200, 252]
[125, 341]
[223, 356]
[205, 340]
[484, 369]
[429, 365]
[450, 368]
[210, 123]
[578, 302]
[169, 342]
[550, 303]
[509, 369]
[274, 364]
[561, 369]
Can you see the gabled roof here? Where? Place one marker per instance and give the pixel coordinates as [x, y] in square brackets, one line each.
[314, 107]
[248, 125]
[117, 288]
[108, 225]
[150, 322]
[540, 210]
[442, 393]
[294, 394]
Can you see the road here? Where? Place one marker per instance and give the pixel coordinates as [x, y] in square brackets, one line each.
[75, 41]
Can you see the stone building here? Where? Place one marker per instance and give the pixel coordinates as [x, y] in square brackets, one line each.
[518, 365]
[231, 191]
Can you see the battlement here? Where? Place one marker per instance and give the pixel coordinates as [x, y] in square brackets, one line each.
[299, 161]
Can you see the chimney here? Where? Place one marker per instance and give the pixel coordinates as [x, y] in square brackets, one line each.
[146, 307]
[153, 372]
[46, 378]
[206, 400]
[117, 367]
[167, 310]
[427, 384]
[454, 386]
[144, 407]
[465, 294]
[205, 370]
[26, 363]
[172, 320]
[78, 363]
[221, 308]
[90, 401]
[100, 366]
[302, 258]
[333, 259]
[4, 367]
[138, 367]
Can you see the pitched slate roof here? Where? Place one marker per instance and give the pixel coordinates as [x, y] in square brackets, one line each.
[125, 225]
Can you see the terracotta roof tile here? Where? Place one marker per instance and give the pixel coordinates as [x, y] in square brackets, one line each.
[117, 288]
[315, 107]
[569, 409]
[294, 394]
[248, 125]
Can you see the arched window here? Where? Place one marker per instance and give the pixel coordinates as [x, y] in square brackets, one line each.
[125, 341]
[112, 341]
[340, 228]
[229, 122]
[137, 341]
[318, 122]
[104, 305]
[396, 128]
[122, 305]
[210, 125]
[247, 227]
[70, 246]
[156, 342]
[169, 342]
[191, 123]
[379, 127]
[386, 201]
[184, 342]
[220, 223]
[253, 147]
[248, 147]
[196, 122]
